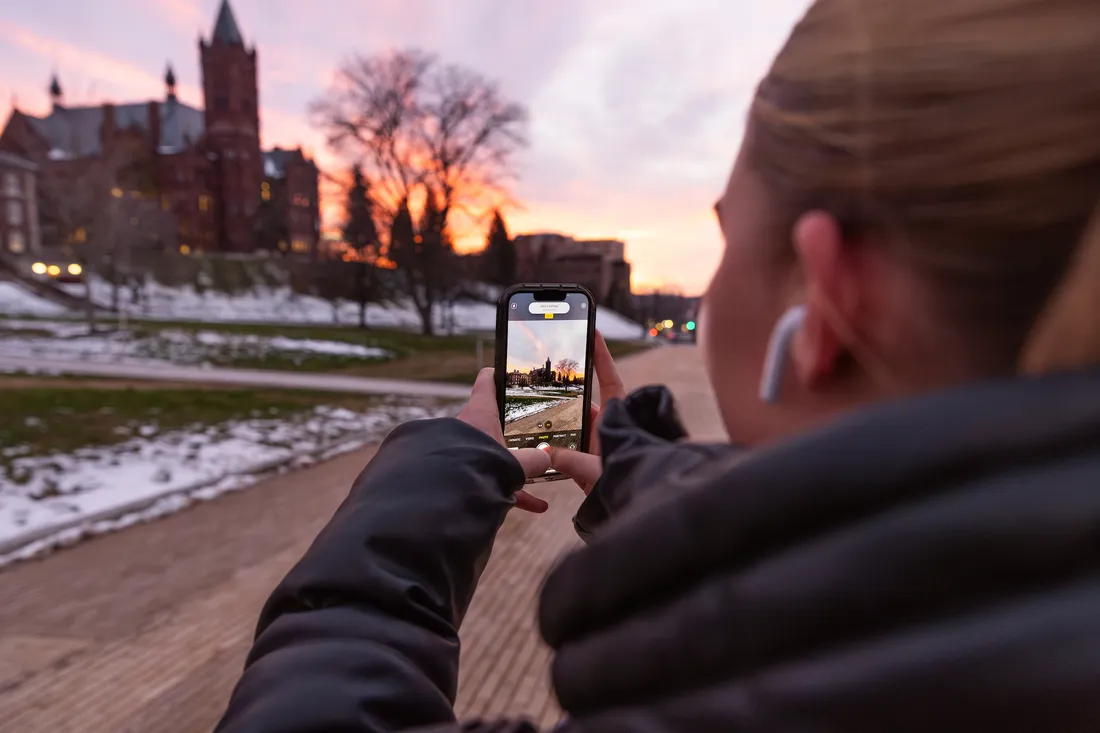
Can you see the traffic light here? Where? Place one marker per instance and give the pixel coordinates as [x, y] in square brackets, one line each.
[691, 325]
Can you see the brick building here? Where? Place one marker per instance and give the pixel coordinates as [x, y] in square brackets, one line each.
[19, 232]
[598, 264]
[202, 168]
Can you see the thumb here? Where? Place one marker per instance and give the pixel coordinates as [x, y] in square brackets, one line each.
[534, 461]
[584, 468]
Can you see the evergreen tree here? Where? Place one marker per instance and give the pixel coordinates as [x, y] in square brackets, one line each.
[425, 256]
[500, 253]
[361, 234]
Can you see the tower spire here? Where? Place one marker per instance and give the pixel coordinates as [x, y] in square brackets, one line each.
[225, 28]
[170, 82]
[55, 90]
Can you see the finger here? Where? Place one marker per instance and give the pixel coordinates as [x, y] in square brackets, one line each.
[529, 503]
[607, 374]
[594, 429]
[534, 461]
[485, 384]
[583, 468]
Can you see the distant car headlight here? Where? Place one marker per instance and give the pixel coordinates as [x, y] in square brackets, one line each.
[75, 269]
[39, 268]
[53, 270]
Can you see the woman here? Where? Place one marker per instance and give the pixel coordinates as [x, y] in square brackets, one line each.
[911, 542]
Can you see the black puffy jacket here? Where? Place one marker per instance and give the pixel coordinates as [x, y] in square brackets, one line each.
[931, 565]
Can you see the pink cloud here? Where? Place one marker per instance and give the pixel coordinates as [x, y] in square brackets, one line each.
[80, 68]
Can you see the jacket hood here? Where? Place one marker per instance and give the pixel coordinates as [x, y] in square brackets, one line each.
[932, 564]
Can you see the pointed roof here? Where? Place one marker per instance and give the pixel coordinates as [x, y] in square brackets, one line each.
[225, 29]
[55, 86]
[170, 76]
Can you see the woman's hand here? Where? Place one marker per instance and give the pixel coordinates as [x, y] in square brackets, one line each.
[483, 413]
[586, 468]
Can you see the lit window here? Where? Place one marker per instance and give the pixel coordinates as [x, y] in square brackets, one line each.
[15, 213]
[204, 203]
[11, 184]
[300, 245]
[266, 194]
[16, 243]
[184, 249]
[80, 235]
[116, 192]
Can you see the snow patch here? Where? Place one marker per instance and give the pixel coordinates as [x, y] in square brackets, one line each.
[88, 491]
[282, 305]
[17, 300]
[70, 341]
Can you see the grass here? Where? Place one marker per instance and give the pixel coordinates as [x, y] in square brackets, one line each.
[48, 415]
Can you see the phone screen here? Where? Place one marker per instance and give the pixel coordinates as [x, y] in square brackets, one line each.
[545, 381]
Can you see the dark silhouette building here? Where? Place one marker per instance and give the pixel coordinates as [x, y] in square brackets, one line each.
[203, 167]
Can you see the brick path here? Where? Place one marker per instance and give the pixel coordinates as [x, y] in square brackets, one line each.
[146, 630]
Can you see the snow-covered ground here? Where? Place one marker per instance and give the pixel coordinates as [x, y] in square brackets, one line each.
[515, 410]
[47, 500]
[565, 393]
[18, 301]
[71, 341]
[281, 305]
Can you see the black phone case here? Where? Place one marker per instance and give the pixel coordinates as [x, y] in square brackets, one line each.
[500, 356]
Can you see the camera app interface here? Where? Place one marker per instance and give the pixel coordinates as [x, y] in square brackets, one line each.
[545, 380]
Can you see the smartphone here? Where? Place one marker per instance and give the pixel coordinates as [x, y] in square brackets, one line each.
[544, 342]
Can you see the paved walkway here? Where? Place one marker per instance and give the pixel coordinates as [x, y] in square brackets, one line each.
[247, 377]
[145, 630]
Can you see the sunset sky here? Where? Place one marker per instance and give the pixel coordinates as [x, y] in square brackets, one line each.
[531, 342]
[636, 105]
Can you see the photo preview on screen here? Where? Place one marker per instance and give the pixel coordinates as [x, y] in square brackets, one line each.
[545, 371]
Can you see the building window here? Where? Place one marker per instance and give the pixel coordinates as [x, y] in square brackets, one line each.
[15, 213]
[11, 184]
[265, 191]
[185, 249]
[204, 203]
[300, 245]
[16, 243]
[80, 234]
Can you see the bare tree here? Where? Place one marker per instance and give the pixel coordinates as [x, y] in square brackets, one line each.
[100, 210]
[424, 133]
[567, 368]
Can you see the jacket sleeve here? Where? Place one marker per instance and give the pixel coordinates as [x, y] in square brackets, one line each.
[362, 635]
[644, 453]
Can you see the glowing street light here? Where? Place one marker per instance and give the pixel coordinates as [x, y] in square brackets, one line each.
[39, 268]
[75, 269]
[668, 323]
[53, 270]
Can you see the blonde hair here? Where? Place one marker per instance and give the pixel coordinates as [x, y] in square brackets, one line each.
[965, 136]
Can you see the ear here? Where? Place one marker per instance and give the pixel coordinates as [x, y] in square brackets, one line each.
[819, 346]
